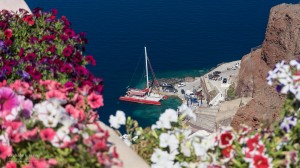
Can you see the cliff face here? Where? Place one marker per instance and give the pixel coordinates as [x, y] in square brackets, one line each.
[282, 42]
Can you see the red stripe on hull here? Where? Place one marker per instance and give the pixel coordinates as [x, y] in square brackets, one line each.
[141, 101]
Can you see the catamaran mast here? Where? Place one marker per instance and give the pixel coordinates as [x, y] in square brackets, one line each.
[146, 59]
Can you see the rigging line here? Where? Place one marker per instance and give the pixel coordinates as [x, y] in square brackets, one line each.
[155, 80]
[136, 67]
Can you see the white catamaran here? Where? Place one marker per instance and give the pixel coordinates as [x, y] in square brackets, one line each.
[144, 96]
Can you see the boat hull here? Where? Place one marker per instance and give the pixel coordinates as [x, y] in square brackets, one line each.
[141, 101]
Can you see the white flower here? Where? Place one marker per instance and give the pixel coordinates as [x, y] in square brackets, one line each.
[118, 120]
[4, 139]
[60, 138]
[187, 112]
[166, 140]
[185, 148]
[50, 113]
[14, 114]
[295, 64]
[162, 159]
[199, 149]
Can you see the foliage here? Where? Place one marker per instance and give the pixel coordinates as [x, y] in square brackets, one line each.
[48, 99]
[173, 146]
[231, 92]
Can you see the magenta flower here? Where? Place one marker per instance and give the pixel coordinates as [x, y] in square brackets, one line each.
[8, 43]
[33, 40]
[67, 51]
[51, 49]
[81, 70]
[8, 99]
[90, 59]
[69, 32]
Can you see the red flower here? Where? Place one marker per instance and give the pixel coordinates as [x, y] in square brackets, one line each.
[227, 152]
[47, 134]
[29, 20]
[90, 59]
[260, 161]
[226, 139]
[5, 151]
[8, 33]
[252, 143]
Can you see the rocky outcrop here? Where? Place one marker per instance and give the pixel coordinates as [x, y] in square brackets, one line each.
[282, 42]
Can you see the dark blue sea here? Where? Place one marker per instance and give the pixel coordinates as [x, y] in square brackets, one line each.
[182, 38]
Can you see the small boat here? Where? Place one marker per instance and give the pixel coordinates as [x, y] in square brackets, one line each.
[144, 96]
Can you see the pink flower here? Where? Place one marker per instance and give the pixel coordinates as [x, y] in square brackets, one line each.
[37, 163]
[55, 94]
[47, 134]
[26, 107]
[31, 134]
[84, 90]
[5, 151]
[13, 130]
[52, 162]
[77, 114]
[79, 101]
[92, 116]
[8, 99]
[11, 164]
[95, 101]
[21, 88]
[3, 83]
[226, 139]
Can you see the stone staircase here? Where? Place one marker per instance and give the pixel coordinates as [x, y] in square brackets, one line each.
[206, 119]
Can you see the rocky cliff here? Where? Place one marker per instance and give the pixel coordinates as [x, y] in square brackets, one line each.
[282, 42]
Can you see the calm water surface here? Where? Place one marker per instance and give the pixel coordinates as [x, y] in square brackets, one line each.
[183, 37]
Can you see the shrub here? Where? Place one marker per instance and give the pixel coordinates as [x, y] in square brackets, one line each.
[48, 99]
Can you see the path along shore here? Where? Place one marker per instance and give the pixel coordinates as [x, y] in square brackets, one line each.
[214, 110]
